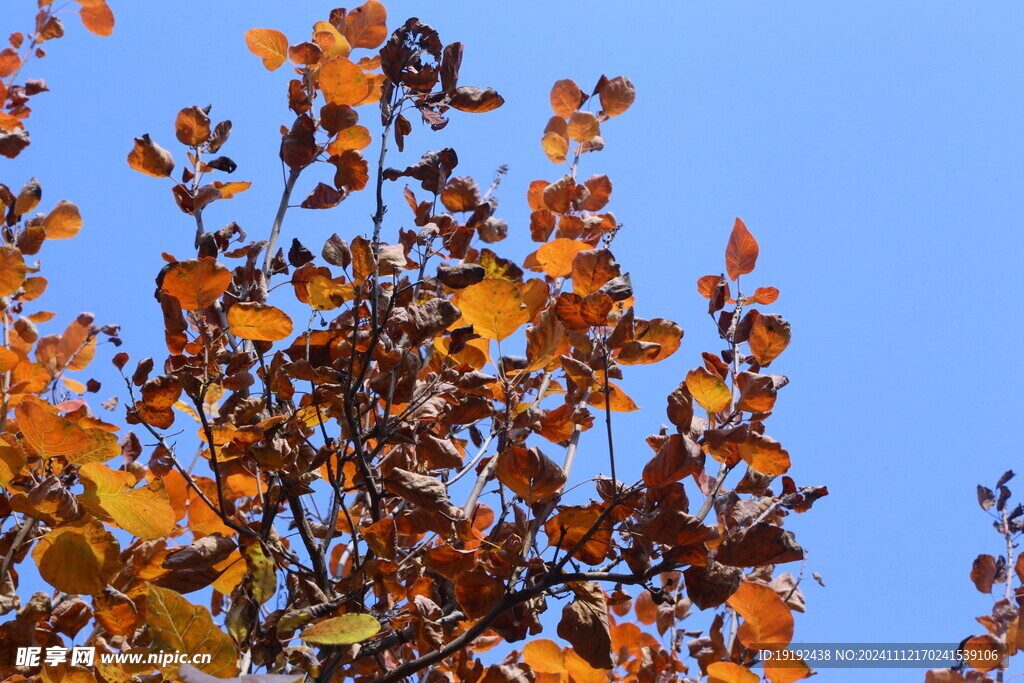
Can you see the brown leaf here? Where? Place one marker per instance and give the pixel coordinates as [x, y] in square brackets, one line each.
[677, 458]
[529, 473]
[418, 489]
[617, 94]
[983, 573]
[759, 545]
[584, 625]
[478, 592]
[150, 158]
[711, 585]
[474, 100]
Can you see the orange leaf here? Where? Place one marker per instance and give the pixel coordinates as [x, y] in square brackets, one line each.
[791, 670]
[192, 127]
[97, 18]
[353, 137]
[544, 656]
[268, 44]
[565, 98]
[365, 26]
[556, 257]
[727, 672]
[342, 82]
[150, 158]
[63, 222]
[741, 252]
[12, 270]
[583, 126]
[258, 322]
[767, 622]
[529, 473]
[48, 434]
[769, 337]
[766, 295]
[196, 283]
[765, 454]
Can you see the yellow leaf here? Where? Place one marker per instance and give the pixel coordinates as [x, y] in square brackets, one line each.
[268, 44]
[555, 146]
[144, 512]
[343, 630]
[544, 656]
[229, 190]
[556, 257]
[332, 43]
[259, 322]
[175, 624]
[326, 294]
[708, 390]
[79, 558]
[495, 308]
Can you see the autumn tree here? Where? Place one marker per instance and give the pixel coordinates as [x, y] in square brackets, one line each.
[386, 432]
[987, 655]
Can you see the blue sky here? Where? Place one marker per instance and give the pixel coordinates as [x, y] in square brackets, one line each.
[873, 148]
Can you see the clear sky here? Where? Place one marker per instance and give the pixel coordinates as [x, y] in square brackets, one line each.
[873, 148]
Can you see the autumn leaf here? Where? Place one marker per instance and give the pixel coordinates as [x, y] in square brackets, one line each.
[727, 672]
[769, 337]
[556, 257]
[196, 283]
[63, 222]
[494, 307]
[617, 95]
[175, 624]
[565, 98]
[269, 45]
[144, 512]
[259, 322]
[529, 473]
[366, 25]
[150, 158]
[767, 622]
[708, 390]
[81, 557]
[192, 127]
[97, 17]
[765, 454]
[12, 270]
[344, 630]
[342, 82]
[741, 251]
